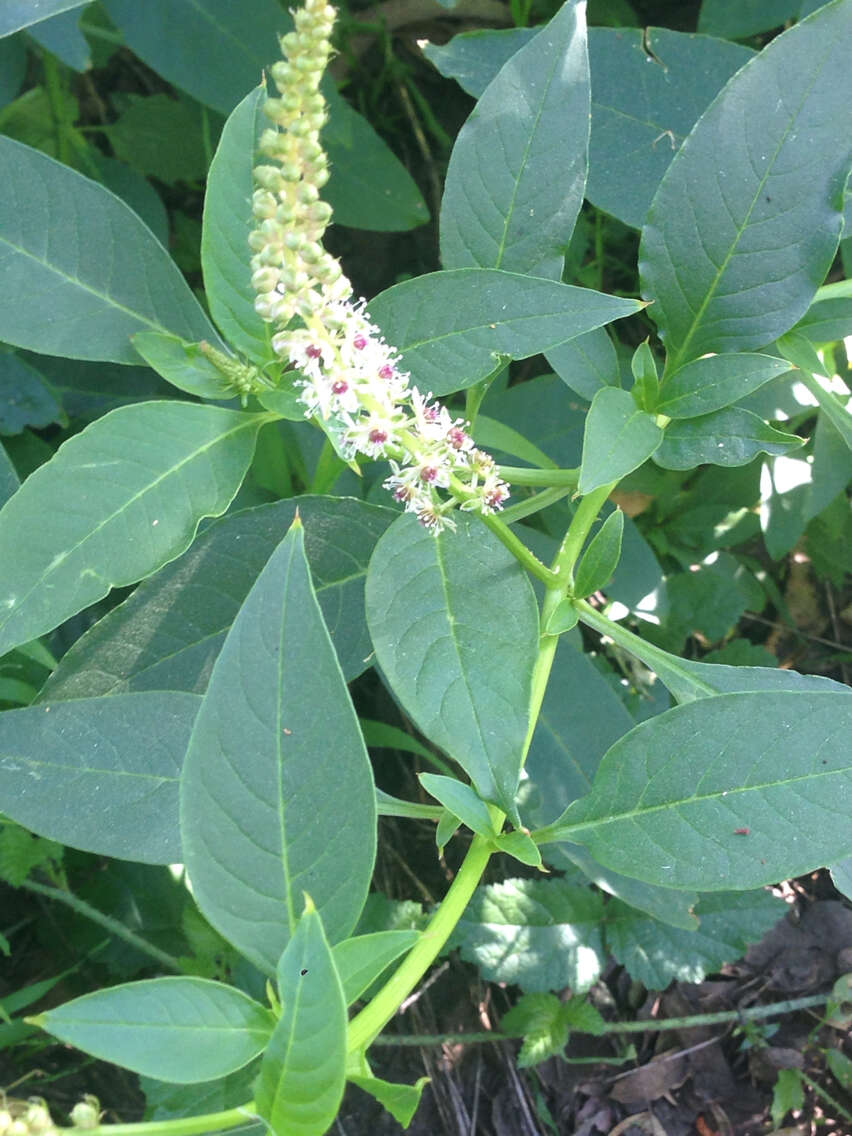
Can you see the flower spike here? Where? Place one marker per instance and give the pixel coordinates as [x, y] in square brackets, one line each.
[350, 378]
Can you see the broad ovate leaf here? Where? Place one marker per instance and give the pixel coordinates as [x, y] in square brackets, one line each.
[182, 1030]
[745, 788]
[515, 180]
[746, 221]
[454, 328]
[167, 633]
[76, 772]
[81, 272]
[618, 438]
[277, 792]
[455, 628]
[152, 470]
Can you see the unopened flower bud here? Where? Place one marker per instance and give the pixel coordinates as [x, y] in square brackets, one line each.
[86, 1113]
[5, 1121]
[18, 1127]
[37, 1116]
[265, 279]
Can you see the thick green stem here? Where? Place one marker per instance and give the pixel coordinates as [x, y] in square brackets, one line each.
[365, 1026]
[519, 550]
[580, 527]
[522, 475]
[112, 925]
[181, 1126]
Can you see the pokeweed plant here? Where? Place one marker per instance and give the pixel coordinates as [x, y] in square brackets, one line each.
[254, 773]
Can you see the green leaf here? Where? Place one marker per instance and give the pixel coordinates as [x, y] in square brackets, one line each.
[734, 249]
[739, 19]
[521, 847]
[228, 220]
[586, 363]
[82, 273]
[715, 382]
[209, 48]
[536, 934]
[646, 386]
[88, 390]
[20, 852]
[277, 791]
[303, 1071]
[76, 772]
[841, 876]
[13, 66]
[798, 349]
[656, 954]
[618, 438]
[461, 800]
[182, 364]
[494, 435]
[178, 1029]
[728, 437]
[601, 557]
[166, 1101]
[19, 14]
[455, 627]
[401, 1101]
[9, 481]
[453, 328]
[167, 634]
[515, 181]
[162, 137]
[369, 187]
[360, 960]
[670, 797]
[541, 1020]
[473, 59]
[61, 34]
[788, 1094]
[153, 470]
[648, 89]
[564, 617]
[24, 398]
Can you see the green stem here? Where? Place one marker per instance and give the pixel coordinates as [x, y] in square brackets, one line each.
[530, 505]
[826, 1096]
[522, 475]
[519, 550]
[830, 404]
[366, 1026]
[181, 1126]
[107, 922]
[579, 529]
[654, 1025]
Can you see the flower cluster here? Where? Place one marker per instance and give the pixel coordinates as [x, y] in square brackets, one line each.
[32, 1117]
[350, 377]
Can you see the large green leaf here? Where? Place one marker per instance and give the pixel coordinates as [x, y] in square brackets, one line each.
[728, 437]
[167, 634]
[19, 14]
[115, 503]
[362, 959]
[228, 220]
[25, 399]
[277, 792]
[515, 181]
[742, 789]
[618, 438]
[536, 934]
[455, 628]
[453, 328]
[746, 221]
[76, 772]
[655, 954]
[738, 19]
[181, 1030]
[369, 187]
[303, 1071]
[81, 272]
[213, 49]
[712, 383]
[648, 89]
[586, 363]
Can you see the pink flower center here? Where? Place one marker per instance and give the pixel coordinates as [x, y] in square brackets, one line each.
[340, 387]
[359, 342]
[313, 352]
[496, 497]
[378, 436]
[386, 372]
[428, 473]
[456, 437]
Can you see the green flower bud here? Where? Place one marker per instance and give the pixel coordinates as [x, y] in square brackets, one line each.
[5, 1121]
[86, 1113]
[37, 1116]
[268, 177]
[282, 74]
[263, 204]
[265, 279]
[308, 193]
